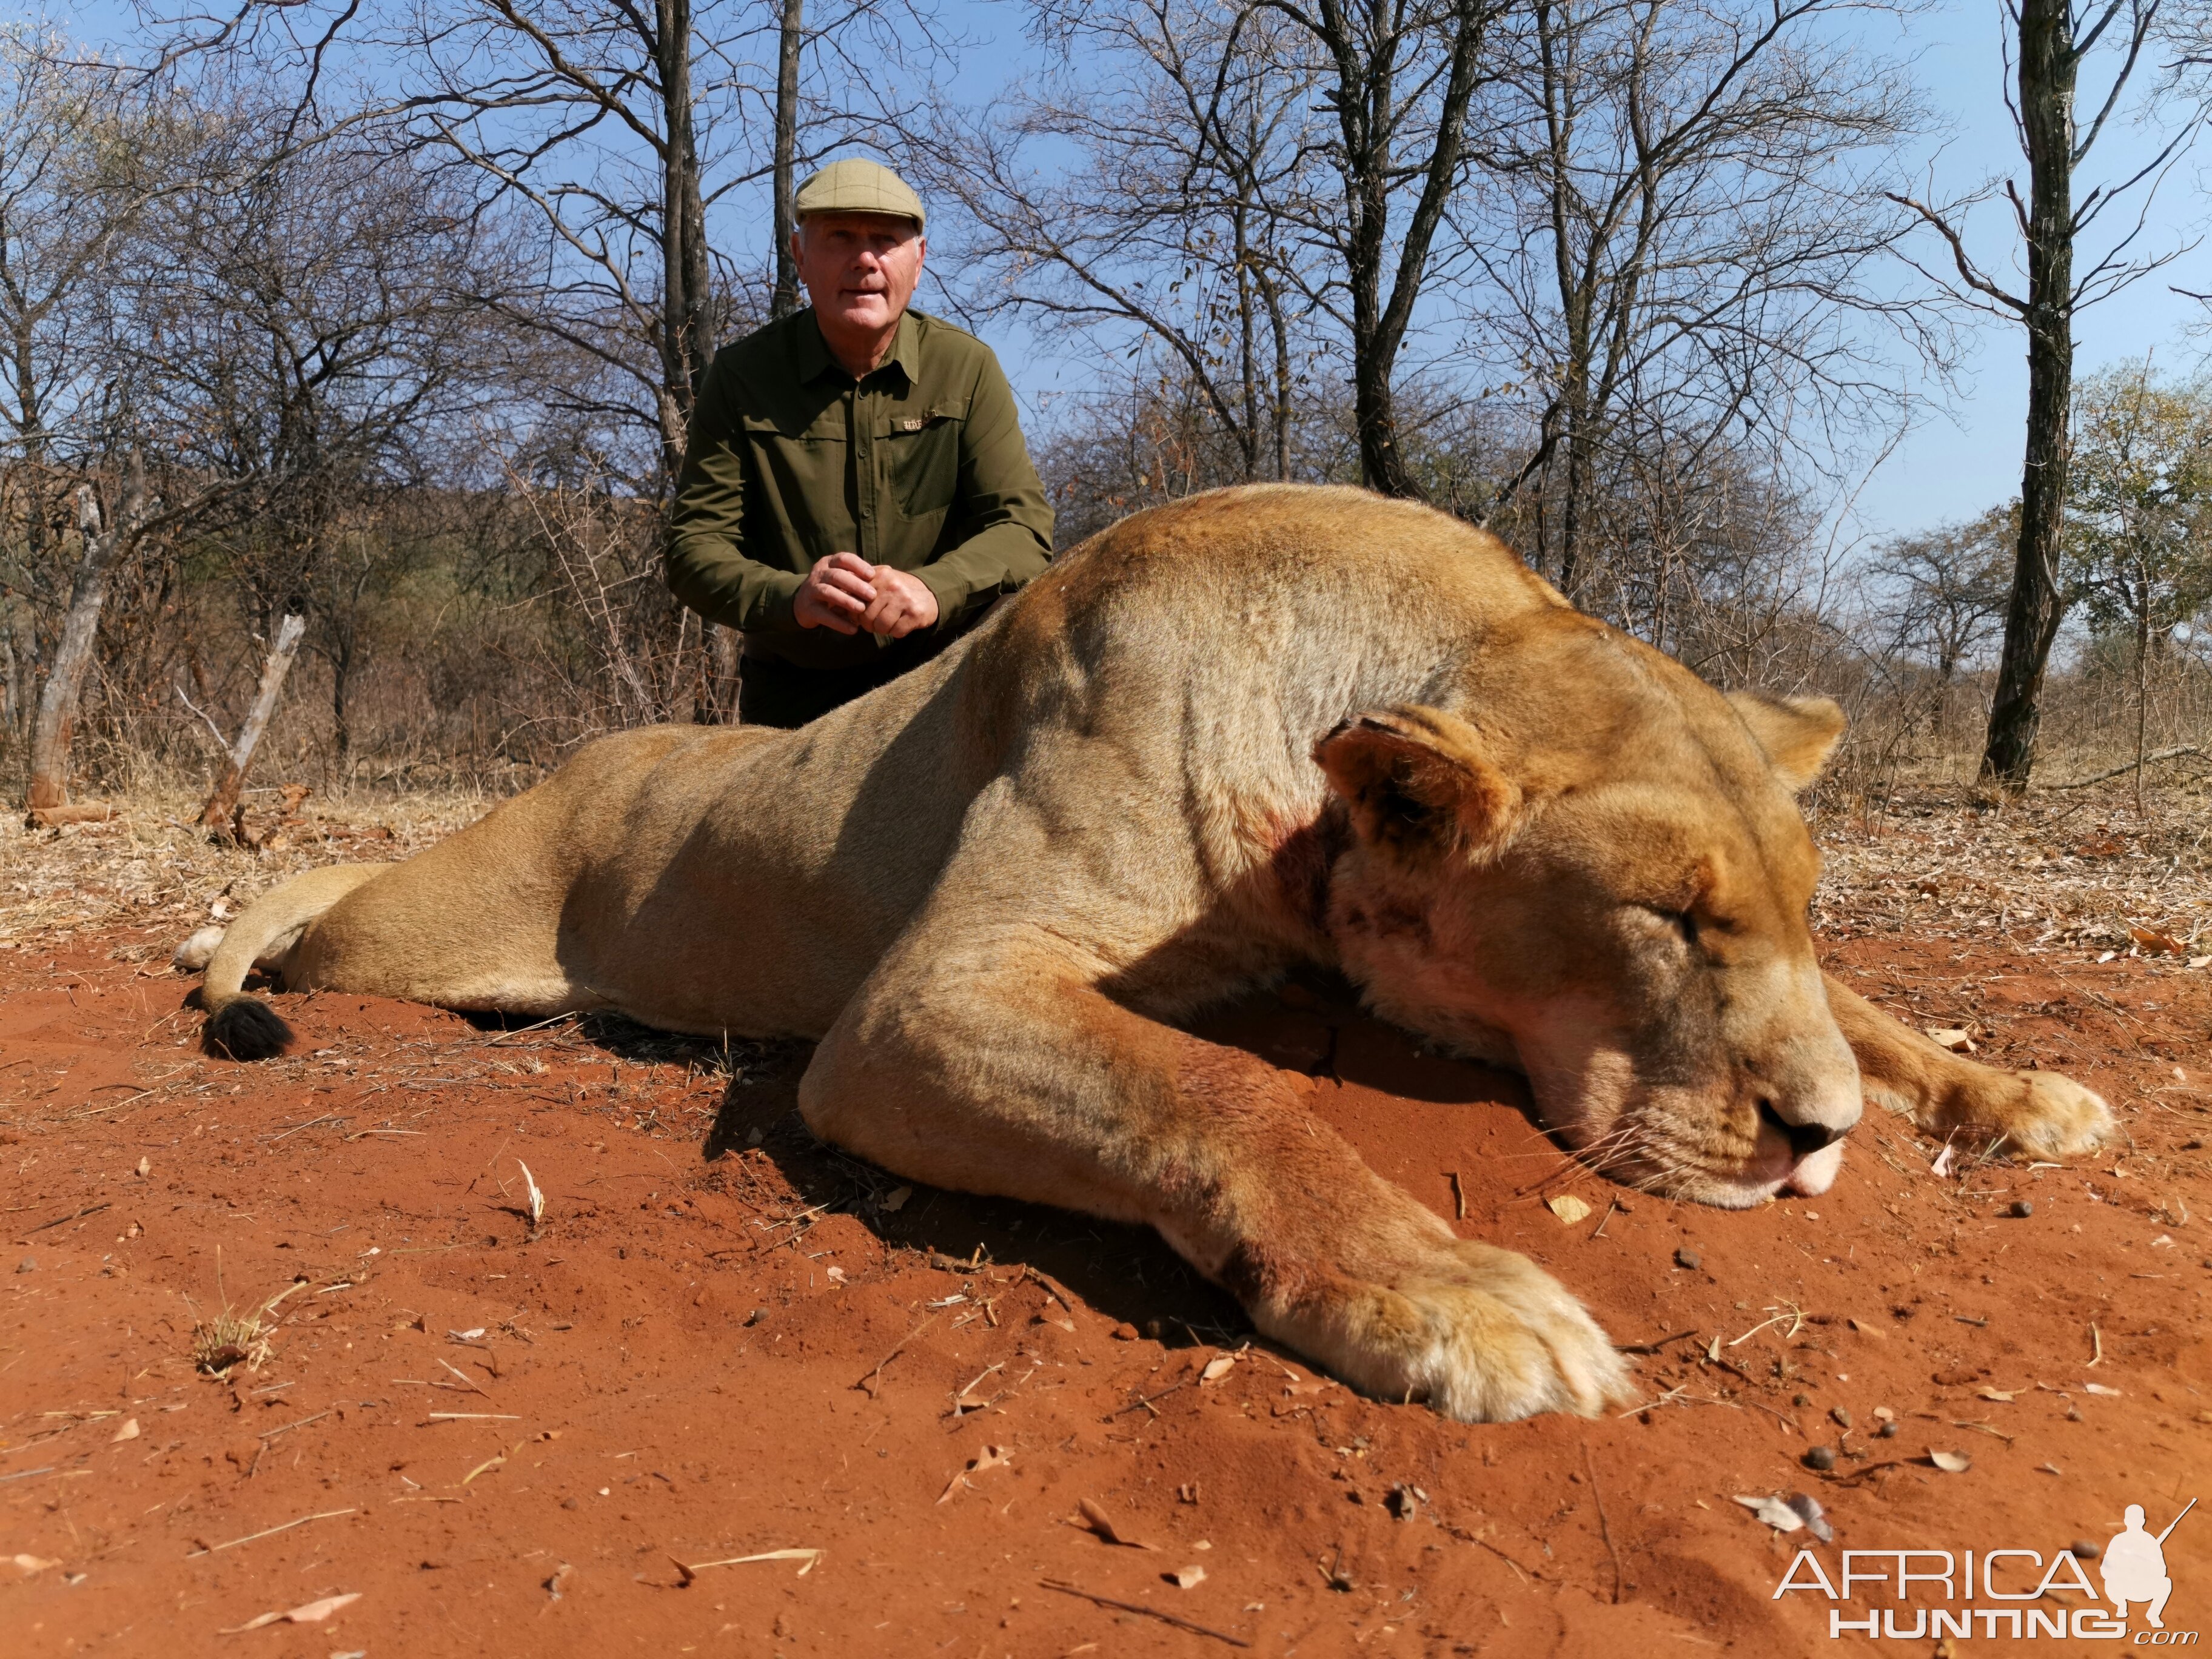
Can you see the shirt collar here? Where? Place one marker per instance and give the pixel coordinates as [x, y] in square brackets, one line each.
[814, 358]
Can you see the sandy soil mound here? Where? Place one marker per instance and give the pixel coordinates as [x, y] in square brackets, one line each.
[992, 1430]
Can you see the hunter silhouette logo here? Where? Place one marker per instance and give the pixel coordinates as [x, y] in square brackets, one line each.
[2000, 1594]
[2134, 1566]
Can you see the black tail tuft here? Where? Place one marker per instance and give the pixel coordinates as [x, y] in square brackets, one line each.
[245, 1029]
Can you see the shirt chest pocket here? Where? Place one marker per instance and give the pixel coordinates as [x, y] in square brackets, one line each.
[921, 458]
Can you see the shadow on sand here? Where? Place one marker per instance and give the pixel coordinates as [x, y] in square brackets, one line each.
[1129, 1273]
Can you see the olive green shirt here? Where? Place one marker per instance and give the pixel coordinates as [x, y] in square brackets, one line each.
[920, 466]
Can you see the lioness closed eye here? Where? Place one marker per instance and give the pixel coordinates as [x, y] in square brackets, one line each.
[1262, 727]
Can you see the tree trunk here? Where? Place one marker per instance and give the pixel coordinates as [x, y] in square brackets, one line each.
[1575, 298]
[56, 723]
[1248, 436]
[32, 421]
[221, 814]
[2048, 63]
[1572, 503]
[340, 684]
[1366, 55]
[687, 310]
[1382, 466]
[791, 36]
[1280, 407]
[2142, 694]
[722, 671]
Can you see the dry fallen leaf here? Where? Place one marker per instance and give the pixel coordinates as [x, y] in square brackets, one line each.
[1216, 1368]
[1942, 1166]
[1189, 1578]
[1569, 1208]
[991, 1457]
[34, 1562]
[1098, 1522]
[1807, 1509]
[2151, 939]
[1775, 1512]
[1865, 1329]
[2098, 1388]
[1950, 1462]
[808, 1556]
[1951, 1037]
[313, 1613]
[536, 1198]
[145, 1168]
[2005, 1395]
[128, 1431]
[895, 1200]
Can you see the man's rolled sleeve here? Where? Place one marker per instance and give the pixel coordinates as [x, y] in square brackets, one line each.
[708, 569]
[1006, 537]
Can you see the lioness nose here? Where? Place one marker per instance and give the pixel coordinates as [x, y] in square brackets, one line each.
[1804, 1139]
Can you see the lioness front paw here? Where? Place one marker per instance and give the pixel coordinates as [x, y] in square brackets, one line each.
[2033, 1114]
[1482, 1335]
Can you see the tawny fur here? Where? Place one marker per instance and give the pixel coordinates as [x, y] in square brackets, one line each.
[1262, 727]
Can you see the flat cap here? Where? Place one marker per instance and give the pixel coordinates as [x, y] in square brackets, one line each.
[856, 185]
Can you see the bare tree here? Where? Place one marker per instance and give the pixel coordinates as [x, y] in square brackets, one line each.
[791, 44]
[1949, 587]
[2139, 515]
[223, 813]
[318, 326]
[1685, 241]
[81, 159]
[590, 115]
[86, 154]
[104, 543]
[621, 128]
[1176, 229]
[2047, 44]
[1401, 76]
[62, 209]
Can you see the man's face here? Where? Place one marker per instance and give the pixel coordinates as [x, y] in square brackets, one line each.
[860, 269]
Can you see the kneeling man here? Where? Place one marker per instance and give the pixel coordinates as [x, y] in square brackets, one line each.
[856, 492]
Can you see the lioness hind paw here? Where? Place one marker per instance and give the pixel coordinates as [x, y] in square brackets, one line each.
[197, 951]
[245, 1029]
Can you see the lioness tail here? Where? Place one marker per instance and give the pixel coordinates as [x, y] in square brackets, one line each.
[241, 1027]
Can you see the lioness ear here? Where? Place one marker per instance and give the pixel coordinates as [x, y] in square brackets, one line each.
[1419, 782]
[1796, 732]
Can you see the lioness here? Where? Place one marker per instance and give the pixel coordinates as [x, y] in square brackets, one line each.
[1265, 726]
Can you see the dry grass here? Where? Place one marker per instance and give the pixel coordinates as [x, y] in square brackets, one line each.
[2060, 871]
[229, 1340]
[153, 869]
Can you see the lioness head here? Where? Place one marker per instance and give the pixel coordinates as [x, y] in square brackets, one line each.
[1596, 873]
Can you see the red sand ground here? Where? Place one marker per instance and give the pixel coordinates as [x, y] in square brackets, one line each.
[711, 1351]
